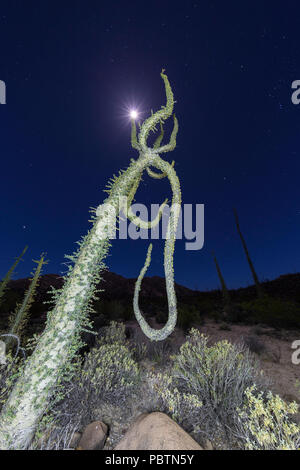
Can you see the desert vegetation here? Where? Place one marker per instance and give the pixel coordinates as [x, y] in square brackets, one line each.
[216, 392]
[81, 364]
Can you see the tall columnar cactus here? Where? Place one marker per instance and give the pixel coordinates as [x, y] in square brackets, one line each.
[19, 317]
[256, 281]
[225, 292]
[60, 341]
[9, 273]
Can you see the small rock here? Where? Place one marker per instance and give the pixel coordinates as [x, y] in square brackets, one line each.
[93, 436]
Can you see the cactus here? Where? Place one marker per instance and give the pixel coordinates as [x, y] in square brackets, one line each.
[225, 292]
[256, 281]
[8, 275]
[60, 340]
[20, 315]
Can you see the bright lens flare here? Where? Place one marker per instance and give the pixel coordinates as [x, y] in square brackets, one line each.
[133, 114]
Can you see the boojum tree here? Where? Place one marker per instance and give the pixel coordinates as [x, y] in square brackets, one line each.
[8, 275]
[226, 296]
[19, 317]
[259, 290]
[60, 341]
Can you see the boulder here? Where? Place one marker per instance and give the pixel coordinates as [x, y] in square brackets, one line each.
[156, 431]
[93, 436]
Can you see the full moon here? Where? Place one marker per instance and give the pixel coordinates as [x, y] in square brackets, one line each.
[133, 114]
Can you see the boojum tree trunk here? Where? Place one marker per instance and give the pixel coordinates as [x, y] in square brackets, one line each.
[59, 342]
[259, 289]
[226, 296]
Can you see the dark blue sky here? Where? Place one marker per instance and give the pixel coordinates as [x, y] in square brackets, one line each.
[72, 69]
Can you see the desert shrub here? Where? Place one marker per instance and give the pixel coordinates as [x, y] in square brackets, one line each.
[161, 316]
[183, 407]
[128, 313]
[258, 330]
[109, 372]
[273, 312]
[160, 352]
[111, 309]
[143, 348]
[216, 316]
[187, 316]
[235, 313]
[254, 344]
[114, 310]
[206, 305]
[111, 334]
[264, 422]
[107, 375]
[217, 376]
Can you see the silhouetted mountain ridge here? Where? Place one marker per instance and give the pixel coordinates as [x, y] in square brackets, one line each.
[117, 287]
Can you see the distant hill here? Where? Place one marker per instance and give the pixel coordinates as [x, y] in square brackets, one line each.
[117, 287]
[285, 287]
[115, 301]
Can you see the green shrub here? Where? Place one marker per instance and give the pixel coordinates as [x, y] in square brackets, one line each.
[273, 312]
[264, 422]
[161, 316]
[111, 334]
[205, 306]
[128, 313]
[255, 344]
[109, 373]
[143, 348]
[187, 316]
[183, 407]
[216, 376]
[111, 309]
[216, 316]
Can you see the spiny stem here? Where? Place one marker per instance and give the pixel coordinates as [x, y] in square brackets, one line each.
[8, 275]
[226, 295]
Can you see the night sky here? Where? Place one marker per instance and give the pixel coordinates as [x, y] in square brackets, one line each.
[72, 72]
